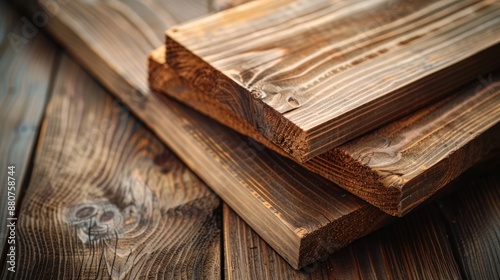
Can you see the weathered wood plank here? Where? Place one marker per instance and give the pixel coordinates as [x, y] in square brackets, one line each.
[311, 75]
[294, 210]
[400, 165]
[107, 199]
[416, 248]
[473, 217]
[27, 61]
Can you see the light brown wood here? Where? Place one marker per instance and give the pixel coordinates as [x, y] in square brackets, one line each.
[416, 248]
[400, 165]
[108, 200]
[292, 209]
[311, 75]
[27, 64]
[453, 238]
[418, 155]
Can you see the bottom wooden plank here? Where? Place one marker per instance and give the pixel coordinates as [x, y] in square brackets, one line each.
[473, 217]
[462, 243]
[107, 199]
[415, 248]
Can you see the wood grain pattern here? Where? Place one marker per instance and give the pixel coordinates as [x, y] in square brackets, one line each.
[418, 155]
[474, 221]
[400, 165]
[143, 22]
[311, 75]
[26, 65]
[416, 248]
[292, 209]
[108, 200]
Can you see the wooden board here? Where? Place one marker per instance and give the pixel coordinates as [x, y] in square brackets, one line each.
[143, 21]
[400, 165]
[311, 75]
[420, 154]
[416, 248]
[292, 209]
[473, 218]
[107, 199]
[462, 243]
[26, 65]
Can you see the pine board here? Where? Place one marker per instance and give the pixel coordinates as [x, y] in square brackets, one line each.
[400, 165]
[311, 75]
[107, 199]
[27, 65]
[415, 248]
[291, 208]
[419, 155]
[454, 237]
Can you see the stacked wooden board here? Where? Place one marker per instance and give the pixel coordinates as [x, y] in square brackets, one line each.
[182, 237]
[302, 77]
[295, 211]
[305, 78]
[403, 163]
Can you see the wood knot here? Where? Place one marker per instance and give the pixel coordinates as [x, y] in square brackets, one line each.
[257, 94]
[85, 212]
[293, 102]
[379, 158]
[101, 220]
[165, 161]
[162, 158]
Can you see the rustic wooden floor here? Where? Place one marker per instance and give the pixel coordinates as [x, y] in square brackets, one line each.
[99, 196]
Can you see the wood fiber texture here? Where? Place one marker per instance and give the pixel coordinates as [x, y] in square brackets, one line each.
[294, 210]
[456, 237]
[107, 199]
[311, 75]
[400, 165]
[473, 218]
[416, 248]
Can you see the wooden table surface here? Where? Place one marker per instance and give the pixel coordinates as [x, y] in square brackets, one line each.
[99, 196]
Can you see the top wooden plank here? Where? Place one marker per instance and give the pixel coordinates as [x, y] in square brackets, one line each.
[311, 75]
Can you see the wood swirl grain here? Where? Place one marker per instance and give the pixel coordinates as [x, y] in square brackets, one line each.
[292, 209]
[415, 248]
[27, 66]
[398, 166]
[420, 154]
[311, 75]
[108, 200]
